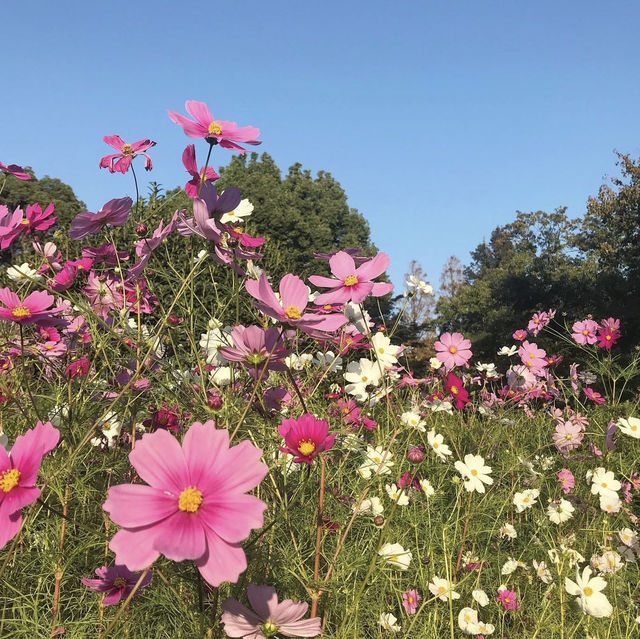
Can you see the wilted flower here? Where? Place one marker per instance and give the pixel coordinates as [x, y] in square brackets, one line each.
[116, 582]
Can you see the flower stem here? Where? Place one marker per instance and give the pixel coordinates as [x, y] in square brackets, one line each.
[319, 530]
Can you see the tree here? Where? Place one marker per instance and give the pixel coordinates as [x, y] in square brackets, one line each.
[451, 277]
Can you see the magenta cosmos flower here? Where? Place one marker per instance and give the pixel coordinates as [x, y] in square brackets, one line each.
[15, 170]
[259, 350]
[192, 187]
[221, 132]
[595, 396]
[34, 309]
[116, 583]
[290, 309]
[268, 617]
[121, 161]
[18, 476]
[508, 599]
[350, 283]
[305, 438]
[194, 507]
[115, 212]
[453, 350]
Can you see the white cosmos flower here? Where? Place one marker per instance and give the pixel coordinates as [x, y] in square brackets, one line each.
[481, 597]
[398, 495]
[441, 588]
[610, 504]
[591, 600]
[603, 483]
[543, 573]
[441, 406]
[371, 506]
[507, 531]
[221, 376]
[608, 562]
[244, 209]
[560, 511]
[377, 461]
[475, 472]
[414, 420]
[111, 427]
[629, 538]
[329, 361]
[359, 322]
[388, 622]
[630, 426]
[435, 363]
[359, 375]
[525, 499]
[396, 556]
[385, 351]
[509, 351]
[511, 565]
[427, 488]
[488, 369]
[468, 621]
[485, 629]
[436, 441]
[212, 341]
[22, 273]
[298, 362]
[414, 282]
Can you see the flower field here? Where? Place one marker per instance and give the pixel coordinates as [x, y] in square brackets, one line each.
[191, 447]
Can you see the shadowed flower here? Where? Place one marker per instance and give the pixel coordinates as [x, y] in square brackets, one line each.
[305, 438]
[121, 161]
[454, 386]
[221, 132]
[116, 582]
[268, 617]
[194, 507]
[115, 212]
[19, 473]
[595, 396]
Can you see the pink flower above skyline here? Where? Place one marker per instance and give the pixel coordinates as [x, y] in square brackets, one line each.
[221, 132]
[115, 212]
[116, 582]
[350, 283]
[453, 350]
[19, 473]
[34, 309]
[194, 506]
[268, 617]
[121, 162]
[198, 177]
[305, 438]
[15, 170]
[538, 322]
[520, 335]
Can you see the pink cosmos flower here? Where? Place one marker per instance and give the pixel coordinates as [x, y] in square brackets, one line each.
[351, 283]
[38, 220]
[294, 298]
[194, 507]
[192, 187]
[611, 323]
[567, 436]
[532, 357]
[538, 322]
[11, 226]
[221, 132]
[567, 480]
[585, 332]
[519, 335]
[410, 601]
[458, 392]
[270, 617]
[116, 583]
[305, 438]
[595, 396]
[608, 335]
[453, 350]
[121, 161]
[115, 212]
[19, 473]
[15, 170]
[508, 599]
[34, 309]
[259, 350]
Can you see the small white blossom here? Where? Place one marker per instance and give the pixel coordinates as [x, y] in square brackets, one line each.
[474, 472]
[388, 622]
[396, 556]
[414, 420]
[377, 461]
[630, 427]
[22, 273]
[398, 495]
[507, 531]
[543, 573]
[436, 441]
[442, 589]
[560, 511]
[525, 499]
[481, 597]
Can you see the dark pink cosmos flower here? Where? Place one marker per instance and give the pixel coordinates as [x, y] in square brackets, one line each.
[115, 212]
[260, 351]
[290, 309]
[78, 368]
[11, 226]
[595, 396]
[195, 505]
[608, 333]
[116, 582]
[105, 254]
[519, 335]
[221, 132]
[305, 438]
[19, 473]
[244, 238]
[15, 170]
[268, 617]
[192, 187]
[121, 161]
[458, 392]
[34, 309]
[38, 220]
[165, 417]
[453, 350]
[160, 234]
[64, 279]
[351, 283]
[508, 599]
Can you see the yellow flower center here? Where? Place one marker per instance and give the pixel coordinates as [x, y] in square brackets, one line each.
[393, 558]
[453, 350]
[9, 480]
[410, 599]
[381, 351]
[350, 280]
[256, 358]
[127, 149]
[474, 472]
[293, 312]
[435, 444]
[608, 338]
[306, 447]
[20, 312]
[442, 590]
[119, 582]
[455, 390]
[634, 428]
[269, 628]
[604, 484]
[588, 591]
[215, 128]
[190, 500]
[25, 222]
[585, 332]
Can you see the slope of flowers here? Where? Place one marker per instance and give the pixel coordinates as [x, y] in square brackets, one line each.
[288, 476]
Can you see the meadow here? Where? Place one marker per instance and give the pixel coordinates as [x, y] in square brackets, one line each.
[192, 448]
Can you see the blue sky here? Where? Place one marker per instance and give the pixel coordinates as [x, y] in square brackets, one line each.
[439, 119]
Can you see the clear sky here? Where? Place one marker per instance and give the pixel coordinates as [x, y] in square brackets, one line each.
[439, 119]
